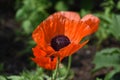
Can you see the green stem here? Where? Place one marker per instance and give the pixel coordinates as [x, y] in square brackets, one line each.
[55, 73]
[68, 68]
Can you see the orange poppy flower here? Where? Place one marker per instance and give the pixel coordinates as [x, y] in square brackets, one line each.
[43, 60]
[60, 35]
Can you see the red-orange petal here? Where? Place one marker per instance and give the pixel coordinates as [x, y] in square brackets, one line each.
[71, 49]
[45, 51]
[69, 14]
[37, 52]
[52, 26]
[43, 59]
[45, 62]
[74, 30]
[92, 21]
[39, 36]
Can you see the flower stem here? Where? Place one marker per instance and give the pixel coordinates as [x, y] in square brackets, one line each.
[55, 73]
[68, 68]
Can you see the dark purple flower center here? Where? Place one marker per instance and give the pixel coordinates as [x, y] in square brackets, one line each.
[59, 42]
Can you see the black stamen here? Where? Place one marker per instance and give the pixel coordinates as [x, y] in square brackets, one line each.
[52, 58]
[59, 42]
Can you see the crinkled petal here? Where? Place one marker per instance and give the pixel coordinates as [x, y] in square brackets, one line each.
[69, 14]
[71, 49]
[37, 52]
[43, 60]
[49, 28]
[92, 21]
[74, 30]
[46, 51]
[39, 37]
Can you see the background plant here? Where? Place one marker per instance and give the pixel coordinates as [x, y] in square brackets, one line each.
[108, 58]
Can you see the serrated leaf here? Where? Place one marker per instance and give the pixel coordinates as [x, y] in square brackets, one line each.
[15, 77]
[107, 58]
[115, 26]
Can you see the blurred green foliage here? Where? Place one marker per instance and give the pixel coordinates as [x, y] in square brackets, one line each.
[31, 12]
[108, 58]
[107, 20]
[115, 26]
[38, 74]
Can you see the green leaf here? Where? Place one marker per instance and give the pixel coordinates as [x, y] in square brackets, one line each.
[109, 57]
[98, 79]
[111, 74]
[15, 78]
[84, 12]
[2, 77]
[38, 74]
[26, 25]
[115, 26]
[31, 13]
[61, 6]
[103, 31]
[118, 5]
[21, 14]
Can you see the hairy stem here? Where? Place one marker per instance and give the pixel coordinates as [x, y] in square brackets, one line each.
[55, 73]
